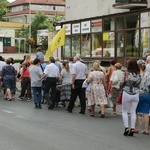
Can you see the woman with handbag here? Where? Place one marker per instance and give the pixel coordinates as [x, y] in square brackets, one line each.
[117, 80]
[97, 94]
[144, 101]
[130, 97]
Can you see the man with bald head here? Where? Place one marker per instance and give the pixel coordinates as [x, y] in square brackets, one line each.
[79, 74]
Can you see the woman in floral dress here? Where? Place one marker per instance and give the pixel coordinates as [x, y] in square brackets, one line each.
[9, 80]
[97, 95]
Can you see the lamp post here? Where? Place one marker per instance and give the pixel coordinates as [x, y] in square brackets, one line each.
[30, 25]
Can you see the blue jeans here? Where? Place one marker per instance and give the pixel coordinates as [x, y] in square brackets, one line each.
[37, 95]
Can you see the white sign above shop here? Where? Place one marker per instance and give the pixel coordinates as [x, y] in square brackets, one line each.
[68, 28]
[85, 27]
[96, 25]
[76, 28]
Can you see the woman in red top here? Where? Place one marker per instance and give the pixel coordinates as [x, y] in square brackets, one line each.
[26, 82]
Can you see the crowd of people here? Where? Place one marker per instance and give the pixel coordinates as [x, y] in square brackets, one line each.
[55, 82]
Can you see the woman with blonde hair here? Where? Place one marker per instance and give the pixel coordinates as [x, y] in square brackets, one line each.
[116, 85]
[66, 79]
[97, 94]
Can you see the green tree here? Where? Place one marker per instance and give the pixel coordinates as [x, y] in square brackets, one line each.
[3, 8]
[42, 21]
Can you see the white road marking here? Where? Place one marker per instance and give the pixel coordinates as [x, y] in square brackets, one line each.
[7, 111]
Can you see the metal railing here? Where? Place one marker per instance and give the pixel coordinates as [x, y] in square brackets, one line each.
[130, 1]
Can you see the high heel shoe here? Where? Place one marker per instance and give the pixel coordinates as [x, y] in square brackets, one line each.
[126, 131]
[131, 133]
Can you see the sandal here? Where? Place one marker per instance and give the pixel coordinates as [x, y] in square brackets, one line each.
[145, 132]
[113, 114]
[126, 131]
[136, 131]
[131, 133]
[92, 114]
[102, 115]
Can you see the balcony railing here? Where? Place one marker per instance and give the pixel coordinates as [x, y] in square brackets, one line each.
[130, 1]
[130, 4]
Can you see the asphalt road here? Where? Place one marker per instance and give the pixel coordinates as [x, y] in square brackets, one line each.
[25, 128]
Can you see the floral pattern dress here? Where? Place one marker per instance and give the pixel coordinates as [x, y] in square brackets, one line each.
[9, 80]
[97, 94]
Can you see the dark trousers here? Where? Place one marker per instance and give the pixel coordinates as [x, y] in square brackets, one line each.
[50, 87]
[78, 91]
[26, 85]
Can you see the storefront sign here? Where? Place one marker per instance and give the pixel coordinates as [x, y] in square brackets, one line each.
[68, 28]
[145, 19]
[108, 36]
[105, 36]
[96, 25]
[85, 27]
[76, 28]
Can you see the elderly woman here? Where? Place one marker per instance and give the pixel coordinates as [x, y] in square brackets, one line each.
[144, 102]
[116, 86]
[97, 94]
[9, 80]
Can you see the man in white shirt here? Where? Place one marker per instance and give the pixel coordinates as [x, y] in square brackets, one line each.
[52, 73]
[70, 60]
[79, 74]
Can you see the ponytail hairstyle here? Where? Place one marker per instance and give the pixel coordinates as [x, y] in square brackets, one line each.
[25, 66]
[66, 66]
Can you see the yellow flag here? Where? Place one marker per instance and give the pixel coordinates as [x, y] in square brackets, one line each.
[58, 40]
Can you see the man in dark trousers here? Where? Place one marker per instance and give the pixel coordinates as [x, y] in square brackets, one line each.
[52, 73]
[79, 74]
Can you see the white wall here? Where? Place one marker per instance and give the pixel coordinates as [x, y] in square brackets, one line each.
[8, 33]
[79, 9]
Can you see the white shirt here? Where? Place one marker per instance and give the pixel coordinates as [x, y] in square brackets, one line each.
[2, 63]
[70, 66]
[148, 67]
[120, 76]
[80, 70]
[52, 70]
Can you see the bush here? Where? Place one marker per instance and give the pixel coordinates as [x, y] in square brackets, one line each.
[17, 60]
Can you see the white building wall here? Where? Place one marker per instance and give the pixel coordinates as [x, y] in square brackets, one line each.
[79, 9]
[8, 33]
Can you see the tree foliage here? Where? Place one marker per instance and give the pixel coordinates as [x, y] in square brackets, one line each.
[3, 8]
[42, 21]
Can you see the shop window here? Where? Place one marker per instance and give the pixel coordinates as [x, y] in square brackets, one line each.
[97, 45]
[132, 21]
[132, 43]
[75, 44]
[108, 44]
[119, 23]
[108, 24]
[145, 42]
[85, 45]
[120, 44]
[67, 47]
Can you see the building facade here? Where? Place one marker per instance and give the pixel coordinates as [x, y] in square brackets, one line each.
[20, 10]
[106, 30]
[7, 36]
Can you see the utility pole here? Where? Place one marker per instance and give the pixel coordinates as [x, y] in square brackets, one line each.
[29, 26]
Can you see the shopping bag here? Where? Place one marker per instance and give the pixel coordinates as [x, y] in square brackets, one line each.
[119, 100]
[109, 101]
